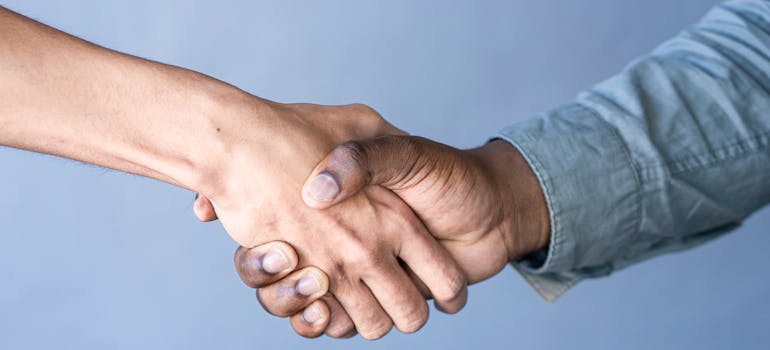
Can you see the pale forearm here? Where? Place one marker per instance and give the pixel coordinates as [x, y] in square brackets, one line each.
[63, 96]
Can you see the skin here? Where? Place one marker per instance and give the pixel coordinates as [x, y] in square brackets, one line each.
[63, 96]
[484, 205]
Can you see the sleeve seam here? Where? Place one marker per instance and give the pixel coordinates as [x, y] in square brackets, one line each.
[700, 161]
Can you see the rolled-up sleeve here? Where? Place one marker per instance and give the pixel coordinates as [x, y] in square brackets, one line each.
[670, 153]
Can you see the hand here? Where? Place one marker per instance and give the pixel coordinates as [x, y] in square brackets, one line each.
[484, 205]
[361, 243]
[63, 96]
[266, 268]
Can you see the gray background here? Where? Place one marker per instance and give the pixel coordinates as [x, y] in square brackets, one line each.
[126, 265]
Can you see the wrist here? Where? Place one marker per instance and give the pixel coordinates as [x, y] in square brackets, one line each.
[231, 124]
[525, 222]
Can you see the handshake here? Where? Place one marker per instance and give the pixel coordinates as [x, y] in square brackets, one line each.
[348, 225]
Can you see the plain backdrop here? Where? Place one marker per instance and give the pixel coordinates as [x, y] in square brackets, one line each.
[91, 258]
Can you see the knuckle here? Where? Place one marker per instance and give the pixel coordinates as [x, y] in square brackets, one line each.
[364, 110]
[352, 150]
[376, 331]
[451, 288]
[341, 332]
[364, 257]
[414, 320]
[366, 119]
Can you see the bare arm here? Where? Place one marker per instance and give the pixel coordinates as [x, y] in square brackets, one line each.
[63, 96]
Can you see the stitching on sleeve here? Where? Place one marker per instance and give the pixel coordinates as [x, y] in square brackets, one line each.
[726, 152]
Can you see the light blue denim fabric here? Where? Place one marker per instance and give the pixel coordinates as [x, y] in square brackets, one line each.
[670, 153]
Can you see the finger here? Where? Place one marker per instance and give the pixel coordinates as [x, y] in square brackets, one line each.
[399, 297]
[203, 209]
[294, 292]
[433, 265]
[391, 161]
[265, 264]
[311, 322]
[358, 301]
[340, 324]
[424, 291]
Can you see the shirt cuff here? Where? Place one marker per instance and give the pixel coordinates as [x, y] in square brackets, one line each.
[585, 171]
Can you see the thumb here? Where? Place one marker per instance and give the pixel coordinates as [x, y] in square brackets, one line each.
[386, 160]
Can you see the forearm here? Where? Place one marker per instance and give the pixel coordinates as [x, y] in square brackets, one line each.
[63, 96]
[669, 153]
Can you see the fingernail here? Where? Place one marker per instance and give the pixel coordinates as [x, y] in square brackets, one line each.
[308, 286]
[323, 188]
[312, 313]
[274, 262]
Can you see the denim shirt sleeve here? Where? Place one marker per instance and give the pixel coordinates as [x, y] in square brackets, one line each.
[670, 153]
